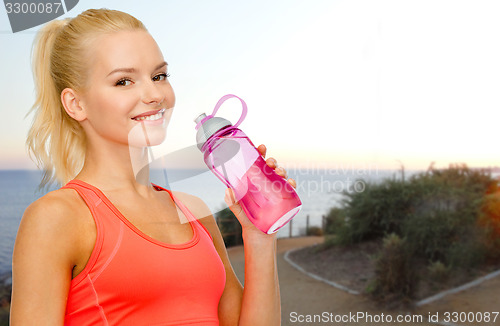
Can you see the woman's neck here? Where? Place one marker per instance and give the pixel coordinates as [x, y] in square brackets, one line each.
[116, 166]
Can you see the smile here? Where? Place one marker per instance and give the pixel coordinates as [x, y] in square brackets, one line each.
[151, 117]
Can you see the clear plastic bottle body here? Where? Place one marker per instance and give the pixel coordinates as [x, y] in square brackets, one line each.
[268, 199]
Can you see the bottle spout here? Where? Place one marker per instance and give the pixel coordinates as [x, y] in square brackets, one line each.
[200, 117]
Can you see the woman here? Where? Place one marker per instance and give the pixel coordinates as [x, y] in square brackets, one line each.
[110, 248]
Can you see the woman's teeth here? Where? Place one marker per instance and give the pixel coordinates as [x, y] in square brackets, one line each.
[152, 117]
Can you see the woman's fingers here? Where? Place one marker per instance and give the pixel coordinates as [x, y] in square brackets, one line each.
[231, 202]
[262, 150]
[272, 163]
[281, 172]
[228, 198]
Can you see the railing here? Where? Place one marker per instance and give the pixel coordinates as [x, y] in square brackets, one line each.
[231, 229]
[308, 227]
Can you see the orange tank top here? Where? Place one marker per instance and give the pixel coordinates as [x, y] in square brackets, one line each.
[133, 279]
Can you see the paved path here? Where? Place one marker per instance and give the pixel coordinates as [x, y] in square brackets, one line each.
[303, 295]
[300, 293]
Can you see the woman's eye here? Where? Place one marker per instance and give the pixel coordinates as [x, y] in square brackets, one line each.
[161, 77]
[123, 82]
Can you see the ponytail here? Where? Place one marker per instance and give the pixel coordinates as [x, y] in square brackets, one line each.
[49, 138]
[55, 141]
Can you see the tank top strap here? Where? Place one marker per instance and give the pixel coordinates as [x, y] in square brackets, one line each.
[99, 213]
[91, 198]
[103, 215]
[190, 216]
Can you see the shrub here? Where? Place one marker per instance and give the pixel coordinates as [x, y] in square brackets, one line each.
[430, 235]
[315, 230]
[395, 279]
[334, 220]
[489, 220]
[377, 211]
[466, 254]
[229, 227]
[438, 271]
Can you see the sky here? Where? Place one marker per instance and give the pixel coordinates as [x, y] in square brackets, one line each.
[329, 84]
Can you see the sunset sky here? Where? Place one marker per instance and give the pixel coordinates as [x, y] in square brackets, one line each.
[328, 83]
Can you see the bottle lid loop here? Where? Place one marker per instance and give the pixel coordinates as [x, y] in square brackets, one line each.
[218, 105]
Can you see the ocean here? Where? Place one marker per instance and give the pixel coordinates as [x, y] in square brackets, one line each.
[319, 190]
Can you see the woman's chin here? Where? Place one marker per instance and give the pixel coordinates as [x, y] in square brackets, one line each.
[148, 137]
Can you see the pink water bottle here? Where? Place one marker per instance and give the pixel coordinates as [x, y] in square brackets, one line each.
[267, 198]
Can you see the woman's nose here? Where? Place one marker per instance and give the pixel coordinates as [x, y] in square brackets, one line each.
[153, 93]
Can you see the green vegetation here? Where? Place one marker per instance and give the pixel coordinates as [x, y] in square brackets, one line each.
[314, 231]
[395, 277]
[440, 219]
[5, 293]
[229, 226]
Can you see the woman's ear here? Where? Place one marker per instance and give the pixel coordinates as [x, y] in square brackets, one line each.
[72, 104]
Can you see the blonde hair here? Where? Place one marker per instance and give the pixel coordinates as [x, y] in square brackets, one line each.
[56, 140]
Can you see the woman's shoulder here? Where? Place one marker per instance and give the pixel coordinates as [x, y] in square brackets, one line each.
[55, 210]
[60, 201]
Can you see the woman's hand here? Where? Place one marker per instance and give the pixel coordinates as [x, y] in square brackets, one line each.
[235, 206]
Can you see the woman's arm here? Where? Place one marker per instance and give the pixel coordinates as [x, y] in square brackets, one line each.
[43, 259]
[261, 295]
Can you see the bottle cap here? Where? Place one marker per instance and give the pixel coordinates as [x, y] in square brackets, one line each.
[208, 127]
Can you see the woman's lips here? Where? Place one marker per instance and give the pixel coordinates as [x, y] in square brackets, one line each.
[150, 115]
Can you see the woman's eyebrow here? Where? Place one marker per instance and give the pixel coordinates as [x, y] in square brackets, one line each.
[132, 70]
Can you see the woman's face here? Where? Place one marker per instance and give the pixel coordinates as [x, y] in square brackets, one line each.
[129, 99]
